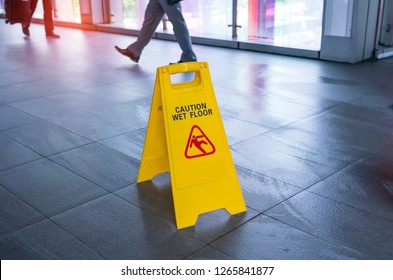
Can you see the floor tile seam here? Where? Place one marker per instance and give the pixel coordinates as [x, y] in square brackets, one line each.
[49, 157]
[372, 126]
[290, 154]
[295, 118]
[350, 206]
[245, 120]
[362, 175]
[282, 98]
[19, 165]
[33, 79]
[115, 136]
[292, 122]
[75, 114]
[137, 90]
[23, 100]
[110, 119]
[21, 111]
[157, 214]
[345, 248]
[149, 210]
[49, 216]
[263, 214]
[75, 237]
[38, 152]
[135, 160]
[374, 152]
[233, 229]
[43, 216]
[270, 177]
[78, 134]
[99, 142]
[207, 246]
[297, 157]
[82, 176]
[23, 227]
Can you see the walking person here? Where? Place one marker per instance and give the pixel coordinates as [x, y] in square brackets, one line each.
[153, 15]
[48, 19]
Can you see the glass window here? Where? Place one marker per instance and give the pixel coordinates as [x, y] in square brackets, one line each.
[208, 18]
[338, 18]
[133, 13]
[204, 18]
[288, 23]
[66, 10]
[63, 10]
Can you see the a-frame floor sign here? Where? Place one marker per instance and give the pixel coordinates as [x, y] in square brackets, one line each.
[185, 137]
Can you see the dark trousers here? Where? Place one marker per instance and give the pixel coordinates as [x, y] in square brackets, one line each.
[48, 19]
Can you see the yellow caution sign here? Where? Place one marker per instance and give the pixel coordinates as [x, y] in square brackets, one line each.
[185, 136]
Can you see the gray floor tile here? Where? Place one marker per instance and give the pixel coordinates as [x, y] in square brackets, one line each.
[48, 187]
[131, 116]
[369, 195]
[130, 143]
[377, 166]
[44, 241]
[265, 239]
[239, 130]
[317, 150]
[75, 80]
[290, 169]
[105, 167]
[92, 126]
[117, 229]
[336, 92]
[314, 100]
[280, 105]
[209, 253]
[31, 90]
[337, 130]
[156, 196]
[14, 154]
[44, 108]
[379, 119]
[11, 118]
[46, 138]
[262, 192]
[257, 115]
[365, 234]
[112, 94]
[15, 213]
[14, 77]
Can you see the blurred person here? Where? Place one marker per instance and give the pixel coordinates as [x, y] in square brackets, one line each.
[155, 10]
[48, 19]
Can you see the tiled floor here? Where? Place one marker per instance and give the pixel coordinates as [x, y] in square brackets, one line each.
[312, 142]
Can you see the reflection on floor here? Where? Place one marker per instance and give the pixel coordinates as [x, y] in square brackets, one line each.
[312, 142]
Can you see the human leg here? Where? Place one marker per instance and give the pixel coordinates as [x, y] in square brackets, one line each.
[48, 18]
[180, 29]
[26, 25]
[153, 16]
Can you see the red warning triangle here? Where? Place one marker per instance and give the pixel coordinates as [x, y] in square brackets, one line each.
[198, 144]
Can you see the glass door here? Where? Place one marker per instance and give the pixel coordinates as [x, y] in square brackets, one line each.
[386, 36]
[288, 23]
[66, 10]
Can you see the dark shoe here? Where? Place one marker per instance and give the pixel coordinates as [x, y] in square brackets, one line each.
[25, 30]
[52, 35]
[128, 53]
